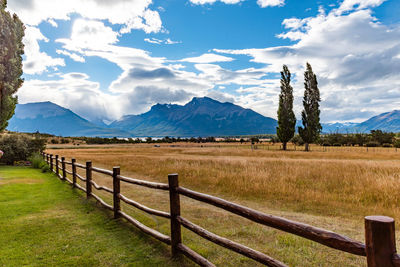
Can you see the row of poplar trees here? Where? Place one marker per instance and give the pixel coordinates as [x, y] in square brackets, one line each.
[310, 114]
[11, 50]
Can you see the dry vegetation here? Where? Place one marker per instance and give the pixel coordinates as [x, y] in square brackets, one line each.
[333, 190]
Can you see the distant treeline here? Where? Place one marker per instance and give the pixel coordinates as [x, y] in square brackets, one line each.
[374, 139]
[167, 139]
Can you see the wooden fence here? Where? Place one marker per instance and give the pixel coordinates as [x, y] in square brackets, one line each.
[380, 247]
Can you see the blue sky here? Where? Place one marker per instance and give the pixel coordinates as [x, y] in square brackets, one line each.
[104, 59]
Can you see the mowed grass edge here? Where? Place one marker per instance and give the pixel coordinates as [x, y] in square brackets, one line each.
[45, 223]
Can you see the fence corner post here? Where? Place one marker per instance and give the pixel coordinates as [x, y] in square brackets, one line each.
[64, 173]
[73, 161]
[116, 191]
[380, 241]
[175, 210]
[88, 178]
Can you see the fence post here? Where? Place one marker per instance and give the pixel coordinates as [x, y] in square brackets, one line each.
[51, 162]
[73, 172]
[88, 178]
[175, 209]
[64, 174]
[57, 168]
[380, 241]
[116, 191]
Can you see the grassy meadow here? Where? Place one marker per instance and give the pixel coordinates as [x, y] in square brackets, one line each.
[333, 188]
[45, 223]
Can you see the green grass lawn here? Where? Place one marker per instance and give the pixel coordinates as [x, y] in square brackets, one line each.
[43, 222]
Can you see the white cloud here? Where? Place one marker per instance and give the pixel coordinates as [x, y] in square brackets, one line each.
[207, 58]
[267, 3]
[89, 34]
[37, 62]
[169, 41]
[153, 40]
[52, 23]
[203, 2]
[347, 5]
[73, 56]
[130, 14]
[222, 97]
[150, 21]
[159, 41]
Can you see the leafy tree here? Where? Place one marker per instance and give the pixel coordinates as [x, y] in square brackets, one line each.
[382, 137]
[19, 147]
[311, 112]
[11, 50]
[286, 117]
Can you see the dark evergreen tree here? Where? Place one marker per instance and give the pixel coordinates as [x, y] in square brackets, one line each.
[11, 50]
[286, 117]
[310, 115]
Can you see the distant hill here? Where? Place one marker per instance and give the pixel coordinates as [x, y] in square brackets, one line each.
[47, 117]
[389, 122]
[200, 117]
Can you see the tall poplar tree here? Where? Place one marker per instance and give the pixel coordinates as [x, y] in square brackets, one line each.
[11, 51]
[286, 117]
[311, 112]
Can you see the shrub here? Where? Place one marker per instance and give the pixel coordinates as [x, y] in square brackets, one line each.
[19, 147]
[297, 140]
[397, 143]
[386, 145]
[38, 162]
[372, 144]
[45, 167]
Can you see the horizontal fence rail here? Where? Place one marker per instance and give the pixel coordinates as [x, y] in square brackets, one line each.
[322, 236]
[239, 248]
[144, 183]
[380, 247]
[144, 208]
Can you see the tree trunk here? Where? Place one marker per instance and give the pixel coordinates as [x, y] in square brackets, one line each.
[284, 146]
[306, 147]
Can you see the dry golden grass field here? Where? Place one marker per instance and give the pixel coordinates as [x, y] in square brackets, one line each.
[331, 188]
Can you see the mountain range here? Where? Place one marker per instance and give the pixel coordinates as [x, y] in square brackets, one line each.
[199, 117]
[47, 117]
